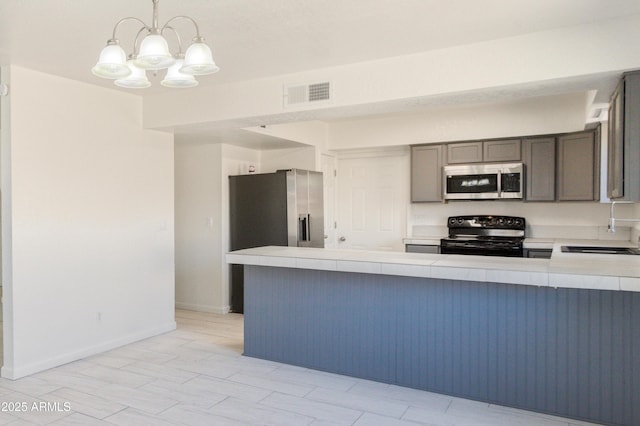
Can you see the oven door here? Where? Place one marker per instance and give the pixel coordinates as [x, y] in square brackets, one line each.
[505, 248]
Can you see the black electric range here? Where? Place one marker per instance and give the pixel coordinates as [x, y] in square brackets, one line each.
[484, 235]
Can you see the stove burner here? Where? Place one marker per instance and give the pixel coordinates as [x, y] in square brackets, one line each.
[484, 235]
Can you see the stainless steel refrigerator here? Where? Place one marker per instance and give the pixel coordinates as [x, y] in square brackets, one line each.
[284, 208]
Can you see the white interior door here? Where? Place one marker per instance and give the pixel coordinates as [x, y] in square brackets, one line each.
[329, 182]
[373, 194]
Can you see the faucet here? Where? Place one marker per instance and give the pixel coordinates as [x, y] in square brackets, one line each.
[612, 220]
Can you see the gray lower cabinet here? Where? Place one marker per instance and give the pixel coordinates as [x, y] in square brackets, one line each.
[426, 173]
[538, 253]
[624, 140]
[539, 156]
[578, 167]
[420, 248]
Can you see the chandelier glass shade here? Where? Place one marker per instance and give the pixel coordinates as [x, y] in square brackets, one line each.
[137, 79]
[153, 53]
[199, 60]
[176, 78]
[112, 62]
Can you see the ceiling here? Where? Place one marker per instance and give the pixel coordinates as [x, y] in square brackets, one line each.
[260, 38]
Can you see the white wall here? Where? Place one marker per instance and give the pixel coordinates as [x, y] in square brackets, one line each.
[202, 215]
[544, 220]
[88, 222]
[198, 226]
[635, 235]
[531, 63]
[299, 158]
[545, 115]
[313, 133]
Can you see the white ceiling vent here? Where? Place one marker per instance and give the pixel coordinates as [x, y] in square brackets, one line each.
[307, 94]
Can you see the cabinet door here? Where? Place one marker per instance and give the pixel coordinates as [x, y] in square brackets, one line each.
[426, 173]
[502, 150]
[417, 248]
[468, 152]
[539, 157]
[539, 253]
[615, 170]
[577, 167]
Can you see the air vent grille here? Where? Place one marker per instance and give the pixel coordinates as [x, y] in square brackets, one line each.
[319, 92]
[306, 94]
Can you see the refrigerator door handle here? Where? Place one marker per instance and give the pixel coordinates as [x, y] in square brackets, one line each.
[304, 228]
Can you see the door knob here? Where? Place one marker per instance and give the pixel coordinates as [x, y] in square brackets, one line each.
[343, 239]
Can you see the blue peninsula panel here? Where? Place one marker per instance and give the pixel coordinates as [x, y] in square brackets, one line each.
[567, 352]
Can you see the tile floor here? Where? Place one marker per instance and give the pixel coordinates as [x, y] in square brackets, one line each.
[197, 376]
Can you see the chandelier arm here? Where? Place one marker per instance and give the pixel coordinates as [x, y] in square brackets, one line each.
[198, 37]
[168, 27]
[136, 39]
[129, 18]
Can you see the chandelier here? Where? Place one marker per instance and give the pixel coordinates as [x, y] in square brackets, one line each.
[153, 54]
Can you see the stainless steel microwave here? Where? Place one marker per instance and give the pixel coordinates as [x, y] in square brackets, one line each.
[484, 181]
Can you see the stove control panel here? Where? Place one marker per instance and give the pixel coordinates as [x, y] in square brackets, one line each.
[487, 222]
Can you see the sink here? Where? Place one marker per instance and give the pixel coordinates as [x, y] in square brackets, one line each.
[600, 250]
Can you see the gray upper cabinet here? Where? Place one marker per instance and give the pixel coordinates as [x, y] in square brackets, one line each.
[557, 167]
[502, 150]
[623, 177]
[489, 151]
[426, 173]
[467, 152]
[539, 156]
[615, 171]
[578, 167]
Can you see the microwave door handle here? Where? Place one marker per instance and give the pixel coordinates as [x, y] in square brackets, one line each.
[499, 183]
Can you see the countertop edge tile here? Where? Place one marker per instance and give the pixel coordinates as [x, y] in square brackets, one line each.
[538, 279]
[319, 264]
[363, 267]
[592, 282]
[630, 284]
[419, 271]
[459, 273]
[562, 271]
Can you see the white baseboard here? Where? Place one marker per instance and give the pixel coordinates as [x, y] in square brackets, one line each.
[14, 373]
[203, 308]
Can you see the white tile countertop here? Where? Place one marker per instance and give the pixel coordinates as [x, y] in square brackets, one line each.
[568, 270]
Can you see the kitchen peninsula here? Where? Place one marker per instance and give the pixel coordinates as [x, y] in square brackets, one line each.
[559, 335]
